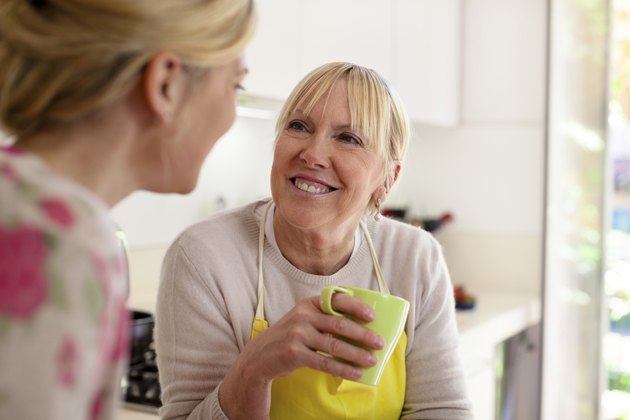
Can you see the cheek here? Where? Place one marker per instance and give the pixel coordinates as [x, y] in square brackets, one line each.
[362, 173]
[228, 111]
[275, 166]
[219, 114]
[281, 160]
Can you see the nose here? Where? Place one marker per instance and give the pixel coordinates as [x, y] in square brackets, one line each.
[316, 153]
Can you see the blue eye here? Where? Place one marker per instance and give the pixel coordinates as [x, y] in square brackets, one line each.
[296, 125]
[349, 138]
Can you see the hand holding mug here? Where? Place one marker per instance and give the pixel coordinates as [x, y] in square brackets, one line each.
[389, 322]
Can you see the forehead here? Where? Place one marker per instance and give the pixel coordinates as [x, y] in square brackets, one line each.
[330, 104]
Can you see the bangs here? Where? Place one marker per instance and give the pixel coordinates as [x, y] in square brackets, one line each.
[369, 107]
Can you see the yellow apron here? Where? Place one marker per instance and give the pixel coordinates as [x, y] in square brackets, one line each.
[311, 394]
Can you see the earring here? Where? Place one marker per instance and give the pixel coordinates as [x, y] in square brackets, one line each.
[377, 214]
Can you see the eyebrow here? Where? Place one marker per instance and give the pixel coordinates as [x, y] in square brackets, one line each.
[338, 127]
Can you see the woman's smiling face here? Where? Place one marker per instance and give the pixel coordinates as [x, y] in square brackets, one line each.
[324, 171]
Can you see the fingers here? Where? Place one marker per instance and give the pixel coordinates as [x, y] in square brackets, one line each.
[301, 344]
[341, 349]
[348, 328]
[307, 337]
[352, 331]
[350, 305]
[333, 366]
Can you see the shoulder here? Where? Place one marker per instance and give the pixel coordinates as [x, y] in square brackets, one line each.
[229, 230]
[389, 233]
[39, 196]
[59, 209]
[411, 257]
[57, 238]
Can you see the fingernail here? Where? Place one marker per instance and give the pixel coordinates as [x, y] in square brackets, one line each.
[369, 315]
[372, 359]
[379, 342]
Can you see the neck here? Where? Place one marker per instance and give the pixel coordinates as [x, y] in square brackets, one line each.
[315, 251]
[105, 152]
[95, 157]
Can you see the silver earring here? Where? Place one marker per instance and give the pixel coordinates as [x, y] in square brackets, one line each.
[377, 215]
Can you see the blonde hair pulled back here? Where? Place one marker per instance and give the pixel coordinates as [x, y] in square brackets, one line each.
[62, 59]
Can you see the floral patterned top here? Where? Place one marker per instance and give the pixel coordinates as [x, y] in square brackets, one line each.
[63, 288]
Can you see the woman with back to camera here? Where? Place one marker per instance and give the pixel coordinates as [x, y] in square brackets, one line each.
[239, 331]
[102, 98]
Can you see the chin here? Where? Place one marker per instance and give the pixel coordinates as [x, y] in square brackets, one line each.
[187, 189]
[181, 186]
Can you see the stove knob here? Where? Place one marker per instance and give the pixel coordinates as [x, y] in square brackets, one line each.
[134, 390]
[153, 392]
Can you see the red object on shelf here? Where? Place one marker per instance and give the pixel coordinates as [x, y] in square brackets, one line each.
[463, 299]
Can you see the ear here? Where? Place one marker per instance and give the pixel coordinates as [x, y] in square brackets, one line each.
[164, 85]
[396, 171]
[382, 191]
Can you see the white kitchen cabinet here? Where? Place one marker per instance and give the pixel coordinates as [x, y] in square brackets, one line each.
[414, 44]
[504, 45]
[427, 59]
[272, 55]
[348, 30]
[497, 317]
[479, 369]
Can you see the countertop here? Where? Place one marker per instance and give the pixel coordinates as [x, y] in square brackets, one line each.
[497, 316]
[129, 414]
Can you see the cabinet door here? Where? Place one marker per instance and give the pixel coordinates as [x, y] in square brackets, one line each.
[272, 55]
[479, 369]
[428, 59]
[348, 30]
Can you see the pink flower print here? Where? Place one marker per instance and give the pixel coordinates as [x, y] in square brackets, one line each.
[102, 270]
[12, 150]
[6, 171]
[97, 406]
[67, 362]
[58, 212]
[23, 286]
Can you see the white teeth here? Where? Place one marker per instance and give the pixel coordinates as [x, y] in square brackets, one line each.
[310, 188]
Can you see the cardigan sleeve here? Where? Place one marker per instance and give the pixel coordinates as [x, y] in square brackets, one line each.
[195, 342]
[435, 381]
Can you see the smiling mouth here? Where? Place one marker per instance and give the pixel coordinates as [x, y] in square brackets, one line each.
[304, 186]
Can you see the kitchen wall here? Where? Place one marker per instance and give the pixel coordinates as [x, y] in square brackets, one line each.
[487, 171]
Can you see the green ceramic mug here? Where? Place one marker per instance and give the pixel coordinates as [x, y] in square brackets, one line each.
[389, 323]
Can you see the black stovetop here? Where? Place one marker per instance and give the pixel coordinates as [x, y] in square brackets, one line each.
[140, 387]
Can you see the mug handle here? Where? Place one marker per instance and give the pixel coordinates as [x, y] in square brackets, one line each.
[325, 299]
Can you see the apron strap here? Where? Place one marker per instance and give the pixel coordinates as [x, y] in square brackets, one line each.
[377, 267]
[260, 308]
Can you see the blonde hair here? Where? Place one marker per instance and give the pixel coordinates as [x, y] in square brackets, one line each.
[375, 108]
[62, 59]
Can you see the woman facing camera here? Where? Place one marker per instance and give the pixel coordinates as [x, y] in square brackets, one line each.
[101, 98]
[239, 330]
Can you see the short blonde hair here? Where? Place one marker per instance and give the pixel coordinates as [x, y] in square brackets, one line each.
[60, 60]
[375, 108]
